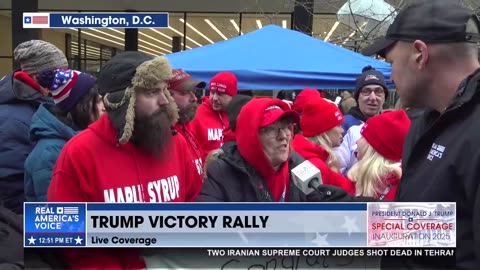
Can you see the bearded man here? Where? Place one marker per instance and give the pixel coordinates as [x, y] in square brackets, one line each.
[183, 89]
[131, 154]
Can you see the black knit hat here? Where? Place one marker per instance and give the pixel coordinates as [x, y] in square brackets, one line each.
[118, 72]
[234, 107]
[370, 76]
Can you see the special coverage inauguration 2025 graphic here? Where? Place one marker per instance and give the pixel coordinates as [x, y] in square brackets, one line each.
[240, 225]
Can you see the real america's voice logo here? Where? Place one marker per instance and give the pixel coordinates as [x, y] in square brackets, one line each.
[53, 217]
[54, 224]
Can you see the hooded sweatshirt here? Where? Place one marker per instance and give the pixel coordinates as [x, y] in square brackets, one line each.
[208, 126]
[229, 135]
[87, 170]
[251, 149]
[50, 135]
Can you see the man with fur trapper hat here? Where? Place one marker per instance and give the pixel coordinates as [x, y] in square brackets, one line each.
[131, 154]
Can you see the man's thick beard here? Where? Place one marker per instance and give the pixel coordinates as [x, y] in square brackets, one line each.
[188, 114]
[154, 133]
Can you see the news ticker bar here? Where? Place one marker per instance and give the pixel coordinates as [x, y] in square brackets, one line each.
[296, 258]
[383, 224]
[95, 20]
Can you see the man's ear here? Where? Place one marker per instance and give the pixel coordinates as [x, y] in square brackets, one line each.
[420, 53]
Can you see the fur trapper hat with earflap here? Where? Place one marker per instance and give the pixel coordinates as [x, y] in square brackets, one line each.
[121, 107]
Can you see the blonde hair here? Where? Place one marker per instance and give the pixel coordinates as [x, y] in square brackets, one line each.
[211, 157]
[368, 173]
[323, 141]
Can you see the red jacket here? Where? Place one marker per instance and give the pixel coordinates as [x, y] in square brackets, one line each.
[196, 149]
[317, 156]
[92, 167]
[208, 126]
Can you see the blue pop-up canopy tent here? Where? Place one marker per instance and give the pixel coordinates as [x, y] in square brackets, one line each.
[276, 58]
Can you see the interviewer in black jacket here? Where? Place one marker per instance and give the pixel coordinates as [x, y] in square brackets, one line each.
[432, 46]
[256, 168]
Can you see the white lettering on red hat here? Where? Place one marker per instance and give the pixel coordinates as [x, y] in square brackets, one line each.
[217, 86]
[338, 115]
[371, 77]
[179, 75]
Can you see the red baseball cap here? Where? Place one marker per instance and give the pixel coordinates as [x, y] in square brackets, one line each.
[182, 81]
[273, 113]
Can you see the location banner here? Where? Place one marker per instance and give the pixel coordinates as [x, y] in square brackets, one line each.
[95, 20]
[248, 225]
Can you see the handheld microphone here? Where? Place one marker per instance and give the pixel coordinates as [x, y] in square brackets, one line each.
[307, 177]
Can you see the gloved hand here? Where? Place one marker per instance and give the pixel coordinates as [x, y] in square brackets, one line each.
[329, 193]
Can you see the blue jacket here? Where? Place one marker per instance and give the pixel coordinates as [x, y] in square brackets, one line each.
[349, 122]
[18, 103]
[354, 118]
[51, 135]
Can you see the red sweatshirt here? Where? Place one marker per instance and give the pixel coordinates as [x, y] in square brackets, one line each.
[208, 126]
[92, 167]
[196, 149]
[318, 157]
[229, 135]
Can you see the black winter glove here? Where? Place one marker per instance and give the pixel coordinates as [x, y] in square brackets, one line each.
[329, 193]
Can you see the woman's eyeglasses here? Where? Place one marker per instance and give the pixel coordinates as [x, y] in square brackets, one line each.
[274, 129]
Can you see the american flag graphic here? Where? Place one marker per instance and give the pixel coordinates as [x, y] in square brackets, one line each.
[67, 210]
[36, 19]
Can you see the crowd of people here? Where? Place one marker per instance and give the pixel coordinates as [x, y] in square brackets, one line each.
[137, 134]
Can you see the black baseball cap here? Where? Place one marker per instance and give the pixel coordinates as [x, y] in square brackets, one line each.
[432, 21]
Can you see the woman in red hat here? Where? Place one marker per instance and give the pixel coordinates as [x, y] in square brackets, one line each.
[321, 133]
[379, 152]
